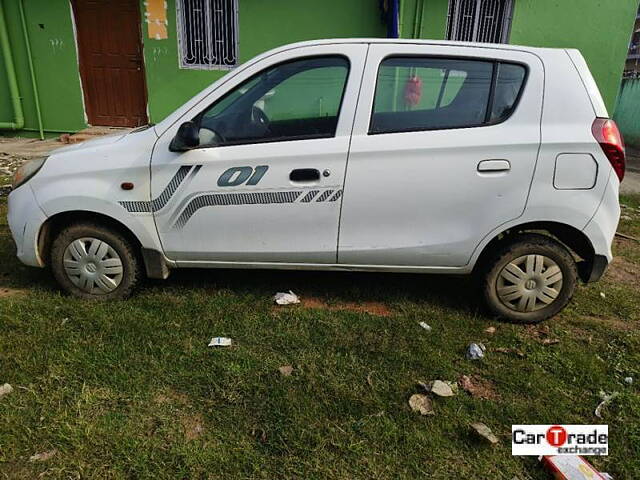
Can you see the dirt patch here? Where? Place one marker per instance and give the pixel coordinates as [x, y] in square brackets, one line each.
[171, 397]
[611, 322]
[478, 387]
[372, 308]
[10, 292]
[623, 271]
[193, 426]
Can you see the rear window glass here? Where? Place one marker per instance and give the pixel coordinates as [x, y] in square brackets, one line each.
[421, 93]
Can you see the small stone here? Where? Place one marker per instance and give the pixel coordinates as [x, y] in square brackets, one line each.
[286, 370]
[421, 403]
[628, 380]
[42, 457]
[485, 432]
[475, 351]
[5, 389]
[603, 295]
[440, 388]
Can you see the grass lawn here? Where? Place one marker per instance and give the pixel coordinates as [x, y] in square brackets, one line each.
[130, 389]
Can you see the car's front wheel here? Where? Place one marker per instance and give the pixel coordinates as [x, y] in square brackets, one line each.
[93, 262]
[529, 279]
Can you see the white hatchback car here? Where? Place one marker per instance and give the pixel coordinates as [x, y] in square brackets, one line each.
[378, 155]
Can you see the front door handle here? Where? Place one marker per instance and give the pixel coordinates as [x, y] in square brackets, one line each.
[305, 175]
[494, 166]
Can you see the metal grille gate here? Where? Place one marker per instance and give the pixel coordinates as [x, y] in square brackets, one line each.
[208, 33]
[486, 21]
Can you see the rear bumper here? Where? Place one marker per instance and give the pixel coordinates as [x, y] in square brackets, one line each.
[603, 225]
[601, 230]
[25, 219]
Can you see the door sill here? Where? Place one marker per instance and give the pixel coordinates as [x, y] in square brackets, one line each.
[324, 266]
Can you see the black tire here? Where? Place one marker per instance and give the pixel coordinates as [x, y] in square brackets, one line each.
[492, 279]
[129, 276]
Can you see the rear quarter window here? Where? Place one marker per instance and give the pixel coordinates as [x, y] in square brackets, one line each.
[426, 93]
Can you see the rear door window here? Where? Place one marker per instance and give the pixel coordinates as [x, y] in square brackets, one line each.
[510, 78]
[421, 93]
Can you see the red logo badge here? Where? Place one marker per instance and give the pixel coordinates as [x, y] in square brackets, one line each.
[556, 436]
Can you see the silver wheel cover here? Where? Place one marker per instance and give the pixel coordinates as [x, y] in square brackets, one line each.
[93, 266]
[529, 283]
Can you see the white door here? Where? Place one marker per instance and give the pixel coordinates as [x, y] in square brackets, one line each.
[265, 183]
[443, 151]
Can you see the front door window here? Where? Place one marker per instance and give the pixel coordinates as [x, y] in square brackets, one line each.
[291, 101]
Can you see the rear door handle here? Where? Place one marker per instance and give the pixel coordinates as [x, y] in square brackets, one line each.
[494, 166]
[304, 175]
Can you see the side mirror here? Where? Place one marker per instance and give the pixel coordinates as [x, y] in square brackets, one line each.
[186, 138]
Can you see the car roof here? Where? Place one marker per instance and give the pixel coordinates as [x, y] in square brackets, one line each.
[418, 41]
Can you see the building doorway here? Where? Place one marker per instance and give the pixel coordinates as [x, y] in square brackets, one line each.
[111, 61]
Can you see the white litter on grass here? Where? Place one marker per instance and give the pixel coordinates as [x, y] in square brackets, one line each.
[628, 380]
[606, 399]
[284, 298]
[5, 389]
[603, 295]
[426, 326]
[220, 342]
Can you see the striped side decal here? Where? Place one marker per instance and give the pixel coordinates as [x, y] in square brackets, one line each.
[336, 196]
[324, 195]
[232, 199]
[160, 202]
[309, 196]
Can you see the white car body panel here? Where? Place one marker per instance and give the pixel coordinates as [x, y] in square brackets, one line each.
[87, 178]
[412, 201]
[282, 232]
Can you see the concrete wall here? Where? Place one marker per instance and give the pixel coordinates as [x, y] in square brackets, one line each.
[600, 29]
[263, 25]
[53, 45]
[627, 114]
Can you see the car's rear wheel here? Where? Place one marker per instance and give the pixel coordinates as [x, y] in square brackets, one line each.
[94, 262]
[529, 279]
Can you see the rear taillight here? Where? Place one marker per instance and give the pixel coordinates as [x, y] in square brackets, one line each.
[608, 136]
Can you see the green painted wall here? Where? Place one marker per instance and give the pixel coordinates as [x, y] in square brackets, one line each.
[600, 29]
[424, 19]
[55, 61]
[627, 114]
[263, 25]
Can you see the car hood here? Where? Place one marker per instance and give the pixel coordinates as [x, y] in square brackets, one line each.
[97, 142]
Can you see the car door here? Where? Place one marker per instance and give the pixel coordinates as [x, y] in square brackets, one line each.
[265, 182]
[443, 151]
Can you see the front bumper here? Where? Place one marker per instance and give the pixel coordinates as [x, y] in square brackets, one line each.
[25, 220]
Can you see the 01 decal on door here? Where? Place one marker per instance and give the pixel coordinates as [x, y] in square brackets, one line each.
[182, 213]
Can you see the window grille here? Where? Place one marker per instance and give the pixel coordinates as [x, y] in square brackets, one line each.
[208, 33]
[486, 21]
